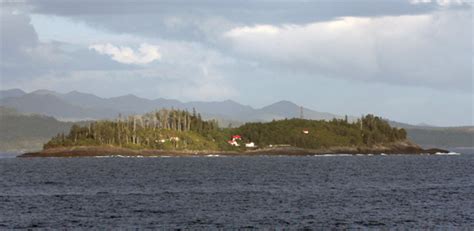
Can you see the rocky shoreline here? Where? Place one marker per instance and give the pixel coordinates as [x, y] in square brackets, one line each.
[403, 147]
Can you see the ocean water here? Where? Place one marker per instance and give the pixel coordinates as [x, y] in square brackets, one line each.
[379, 192]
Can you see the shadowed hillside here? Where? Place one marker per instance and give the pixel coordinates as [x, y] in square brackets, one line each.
[27, 132]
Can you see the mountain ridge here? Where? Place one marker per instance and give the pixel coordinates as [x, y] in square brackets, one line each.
[77, 105]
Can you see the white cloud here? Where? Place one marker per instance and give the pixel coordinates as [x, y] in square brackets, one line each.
[146, 53]
[255, 30]
[419, 1]
[432, 50]
[444, 3]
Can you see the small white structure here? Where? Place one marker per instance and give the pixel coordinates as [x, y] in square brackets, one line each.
[305, 132]
[174, 138]
[250, 145]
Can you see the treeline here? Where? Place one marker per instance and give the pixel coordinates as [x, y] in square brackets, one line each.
[366, 131]
[165, 129]
[180, 130]
[377, 130]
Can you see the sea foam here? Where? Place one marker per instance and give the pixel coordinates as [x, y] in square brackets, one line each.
[448, 154]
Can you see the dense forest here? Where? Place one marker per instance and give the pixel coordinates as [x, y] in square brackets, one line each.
[182, 130]
[367, 131]
[164, 129]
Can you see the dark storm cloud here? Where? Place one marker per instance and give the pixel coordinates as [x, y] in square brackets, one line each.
[18, 43]
[192, 20]
[263, 11]
[23, 55]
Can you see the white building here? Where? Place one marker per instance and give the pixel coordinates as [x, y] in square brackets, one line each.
[250, 145]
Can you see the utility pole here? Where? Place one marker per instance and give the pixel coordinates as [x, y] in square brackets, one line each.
[301, 112]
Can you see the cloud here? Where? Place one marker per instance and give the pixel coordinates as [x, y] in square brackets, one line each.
[201, 21]
[21, 53]
[443, 3]
[255, 30]
[29, 60]
[146, 53]
[419, 1]
[432, 50]
[25, 56]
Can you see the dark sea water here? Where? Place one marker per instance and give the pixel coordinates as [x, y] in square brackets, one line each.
[238, 192]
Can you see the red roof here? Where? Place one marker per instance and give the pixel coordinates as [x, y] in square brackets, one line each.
[236, 137]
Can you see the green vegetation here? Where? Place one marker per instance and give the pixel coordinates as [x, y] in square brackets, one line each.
[181, 130]
[369, 130]
[164, 129]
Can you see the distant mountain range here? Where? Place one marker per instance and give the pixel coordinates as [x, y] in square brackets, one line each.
[77, 106]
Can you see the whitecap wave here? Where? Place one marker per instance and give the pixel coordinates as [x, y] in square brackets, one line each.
[448, 154]
[118, 156]
[327, 155]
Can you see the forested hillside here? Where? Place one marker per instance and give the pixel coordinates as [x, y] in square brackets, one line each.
[367, 131]
[27, 132]
[181, 130]
[164, 129]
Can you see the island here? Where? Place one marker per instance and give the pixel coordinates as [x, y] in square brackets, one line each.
[182, 133]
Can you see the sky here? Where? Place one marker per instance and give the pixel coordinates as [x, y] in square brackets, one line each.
[408, 60]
